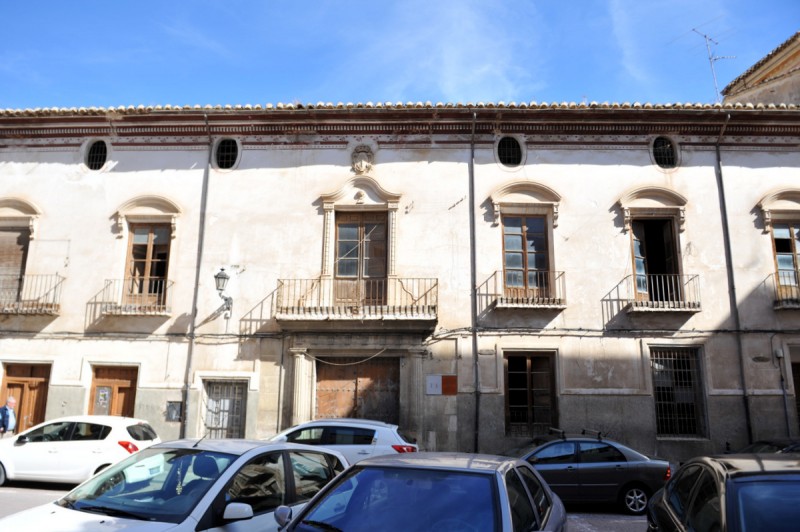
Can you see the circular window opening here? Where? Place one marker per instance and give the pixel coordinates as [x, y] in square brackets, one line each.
[97, 155]
[664, 153]
[227, 153]
[509, 151]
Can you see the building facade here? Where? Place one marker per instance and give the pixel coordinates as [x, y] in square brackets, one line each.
[474, 273]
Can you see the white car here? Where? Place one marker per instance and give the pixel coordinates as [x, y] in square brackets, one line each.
[72, 449]
[190, 485]
[356, 439]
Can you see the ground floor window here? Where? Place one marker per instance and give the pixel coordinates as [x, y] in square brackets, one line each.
[226, 402]
[678, 391]
[530, 393]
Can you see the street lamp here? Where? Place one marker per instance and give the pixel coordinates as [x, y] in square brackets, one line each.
[221, 280]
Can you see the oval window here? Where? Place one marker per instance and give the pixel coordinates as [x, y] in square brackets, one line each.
[97, 155]
[664, 153]
[227, 153]
[509, 151]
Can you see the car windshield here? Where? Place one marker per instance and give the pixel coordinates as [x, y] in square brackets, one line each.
[155, 484]
[385, 498]
[767, 504]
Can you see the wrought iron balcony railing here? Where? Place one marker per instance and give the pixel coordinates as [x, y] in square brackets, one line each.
[787, 289]
[136, 296]
[395, 298]
[663, 292]
[30, 294]
[545, 289]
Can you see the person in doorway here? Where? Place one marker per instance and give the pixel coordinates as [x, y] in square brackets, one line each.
[8, 417]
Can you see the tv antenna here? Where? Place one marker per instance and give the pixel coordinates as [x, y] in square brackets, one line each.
[713, 58]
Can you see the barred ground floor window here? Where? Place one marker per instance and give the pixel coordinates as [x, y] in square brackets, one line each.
[226, 403]
[678, 391]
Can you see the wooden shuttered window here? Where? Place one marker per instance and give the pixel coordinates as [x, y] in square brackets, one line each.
[14, 243]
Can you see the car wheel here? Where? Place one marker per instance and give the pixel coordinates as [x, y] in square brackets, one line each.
[634, 499]
[2, 475]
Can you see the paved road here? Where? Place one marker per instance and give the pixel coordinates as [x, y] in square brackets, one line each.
[16, 496]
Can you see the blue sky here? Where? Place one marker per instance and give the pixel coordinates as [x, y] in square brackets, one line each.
[83, 53]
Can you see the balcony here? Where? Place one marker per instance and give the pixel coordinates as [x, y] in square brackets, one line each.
[662, 293]
[139, 296]
[30, 294]
[546, 290]
[787, 289]
[366, 300]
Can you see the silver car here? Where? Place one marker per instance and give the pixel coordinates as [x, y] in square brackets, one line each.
[432, 491]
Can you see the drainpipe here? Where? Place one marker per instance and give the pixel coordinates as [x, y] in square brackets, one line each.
[474, 285]
[732, 300]
[778, 354]
[196, 289]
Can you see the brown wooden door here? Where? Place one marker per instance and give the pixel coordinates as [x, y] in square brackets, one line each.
[113, 391]
[353, 387]
[28, 383]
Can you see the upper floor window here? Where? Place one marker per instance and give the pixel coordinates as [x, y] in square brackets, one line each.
[786, 242]
[781, 215]
[148, 264]
[655, 259]
[509, 151]
[97, 155]
[14, 242]
[360, 270]
[227, 153]
[526, 258]
[665, 153]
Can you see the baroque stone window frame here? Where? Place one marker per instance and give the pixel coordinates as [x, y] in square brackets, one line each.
[147, 209]
[653, 202]
[16, 212]
[525, 197]
[359, 194]
[780, 205]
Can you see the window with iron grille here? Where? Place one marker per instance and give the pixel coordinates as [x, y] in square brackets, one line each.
[664, 153]
[227, 153]
[97, 155]
[678, 391]
[509, 151]
[226, 403]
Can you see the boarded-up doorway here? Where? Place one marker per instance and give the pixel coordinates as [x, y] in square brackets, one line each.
[358, 388]
[28, 383]
[113, 391]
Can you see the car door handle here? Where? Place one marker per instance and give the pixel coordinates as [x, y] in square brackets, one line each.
[363, 452]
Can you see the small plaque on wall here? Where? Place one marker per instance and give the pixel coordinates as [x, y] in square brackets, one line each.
[441, 385]
[174, 410]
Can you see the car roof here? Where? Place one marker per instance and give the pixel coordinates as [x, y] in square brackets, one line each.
[441, 460]
[739, 465]
[98, 418]
[347, 421]
[240, 446]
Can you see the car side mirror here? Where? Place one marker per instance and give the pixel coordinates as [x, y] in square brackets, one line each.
[283, 514]
[533, 460]
[237, 511]
[22, 440]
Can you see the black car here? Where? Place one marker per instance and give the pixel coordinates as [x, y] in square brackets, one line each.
[584, 469]
[771, 446]
[730, 493]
